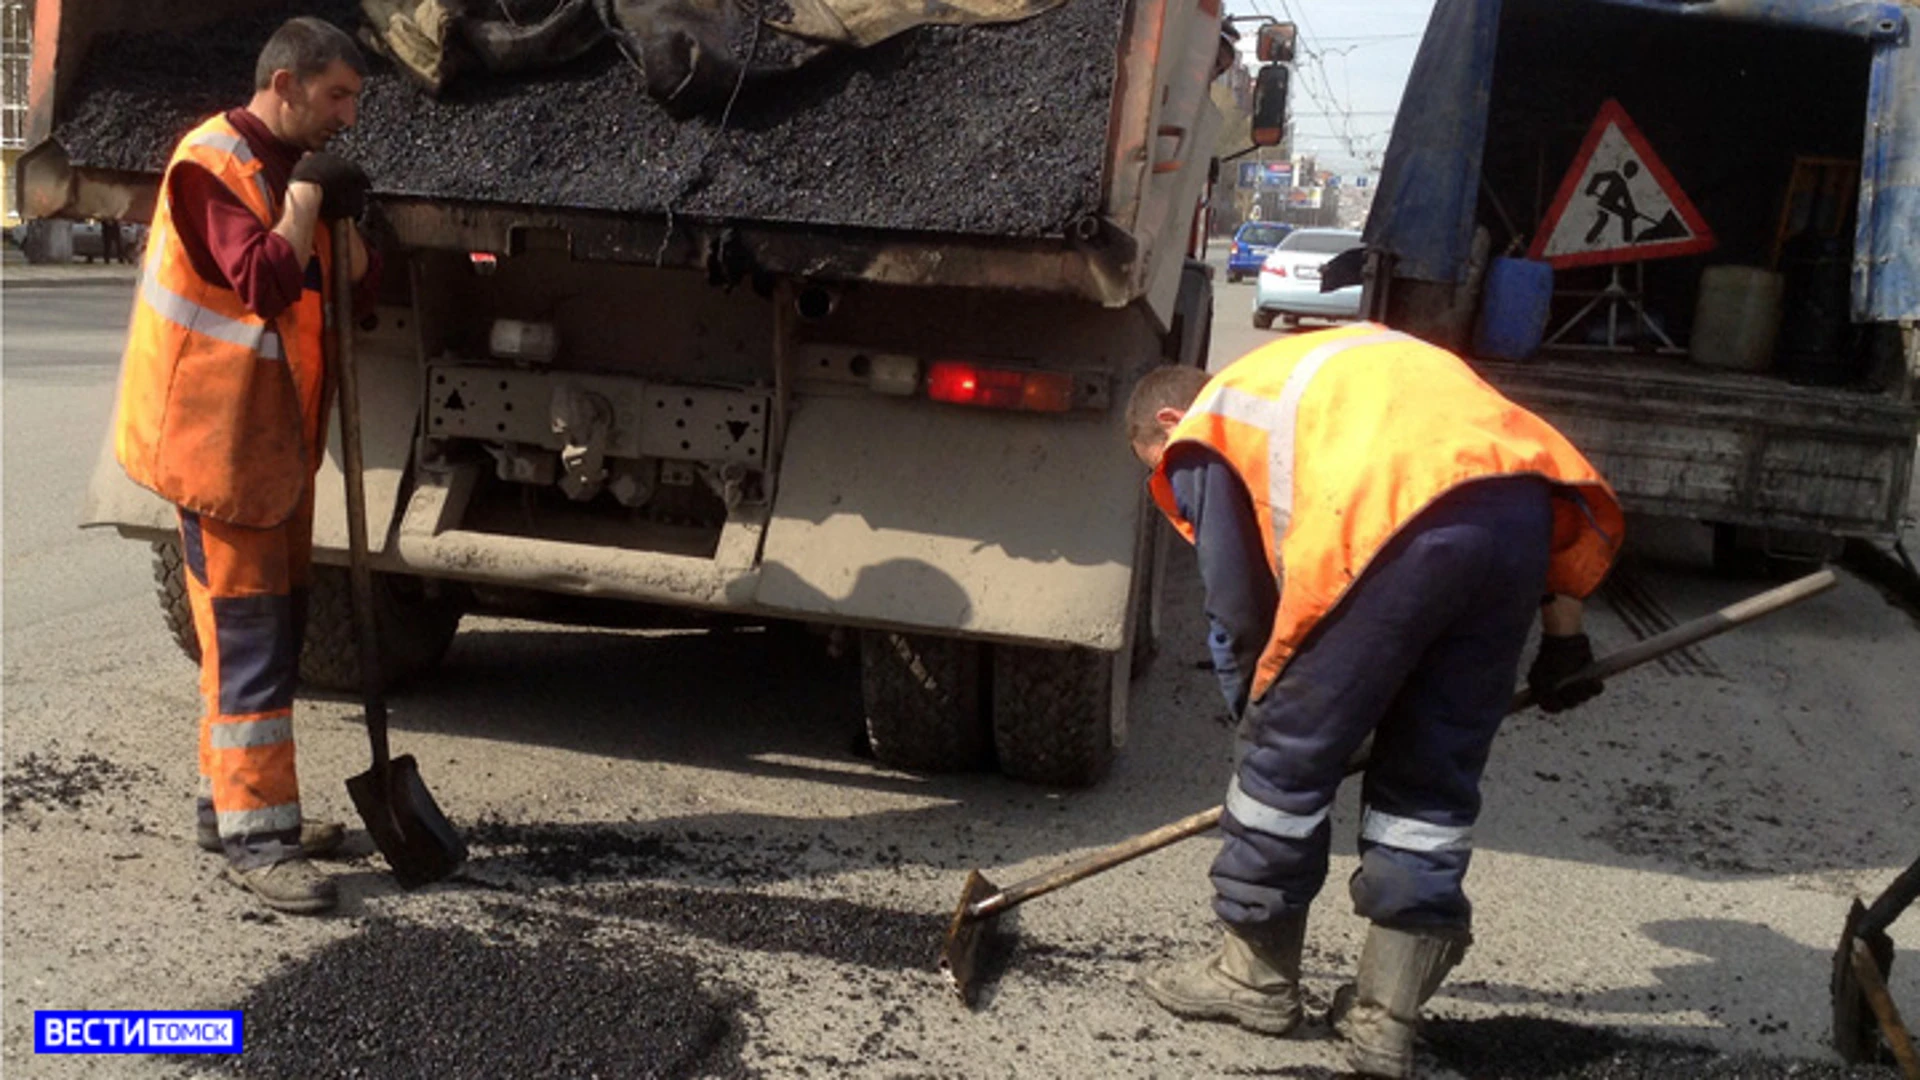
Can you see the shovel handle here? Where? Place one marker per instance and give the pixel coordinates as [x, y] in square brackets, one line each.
[347, 376]
[1897, 898]
[1087, 866]
[1609, 665]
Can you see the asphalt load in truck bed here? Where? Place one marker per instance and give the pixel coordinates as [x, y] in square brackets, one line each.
[992, 130]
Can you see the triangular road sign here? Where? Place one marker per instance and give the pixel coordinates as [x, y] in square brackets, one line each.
[1618, 203]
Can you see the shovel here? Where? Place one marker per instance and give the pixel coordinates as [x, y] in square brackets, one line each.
[406, 824]
[981, 901]
[1860, 965]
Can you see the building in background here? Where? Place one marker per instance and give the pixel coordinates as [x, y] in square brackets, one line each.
[16, 56]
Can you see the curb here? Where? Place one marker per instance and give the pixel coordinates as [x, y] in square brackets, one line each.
[64, 281]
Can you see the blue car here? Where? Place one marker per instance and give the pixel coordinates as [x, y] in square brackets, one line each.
[1252, 243]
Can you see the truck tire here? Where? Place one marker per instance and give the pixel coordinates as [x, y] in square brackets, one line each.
[170, 588]
[415, 629]
[1263, 320]
[922, 698]
[1054, 713]
[1059, 714]
[1746, 553]
[1149, 597]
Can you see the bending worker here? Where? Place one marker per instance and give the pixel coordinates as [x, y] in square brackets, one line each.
[223, 412]
[1377, 530]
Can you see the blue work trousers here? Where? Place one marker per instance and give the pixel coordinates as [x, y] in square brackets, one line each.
[1423, 652]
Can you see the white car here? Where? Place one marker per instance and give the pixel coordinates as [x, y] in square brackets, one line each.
[1289, 284]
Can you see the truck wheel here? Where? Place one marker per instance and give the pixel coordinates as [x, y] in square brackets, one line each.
[1059, 714]
[1149, 590]
[1263, 320]
[170, 588]
[1749, 553]
[415, 630]
[922, 697]
[1054, 713]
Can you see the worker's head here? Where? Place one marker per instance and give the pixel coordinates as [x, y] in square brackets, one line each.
[1228, 53]
[307, 82]
[1160, 400]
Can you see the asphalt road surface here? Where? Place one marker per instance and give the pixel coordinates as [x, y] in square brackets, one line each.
[680, 869]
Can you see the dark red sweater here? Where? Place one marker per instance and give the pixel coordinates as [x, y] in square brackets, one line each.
[227, 244]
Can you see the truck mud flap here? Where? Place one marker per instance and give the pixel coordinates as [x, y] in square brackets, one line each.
[979, 523]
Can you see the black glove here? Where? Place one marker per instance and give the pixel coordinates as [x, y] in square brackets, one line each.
[1560, 657]
[343, 186]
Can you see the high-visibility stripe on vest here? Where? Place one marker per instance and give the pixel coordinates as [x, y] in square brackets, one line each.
[1341, 438]
[220, 411]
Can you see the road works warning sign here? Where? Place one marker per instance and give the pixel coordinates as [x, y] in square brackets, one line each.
[1618, 203]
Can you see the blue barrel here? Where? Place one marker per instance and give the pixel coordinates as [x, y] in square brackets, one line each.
[1513, 309]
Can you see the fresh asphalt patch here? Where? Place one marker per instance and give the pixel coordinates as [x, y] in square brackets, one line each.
[403, 999]
[1533, 1048]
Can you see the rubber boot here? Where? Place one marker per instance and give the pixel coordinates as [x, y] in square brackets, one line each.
[1253, 984]
[1380, 1013]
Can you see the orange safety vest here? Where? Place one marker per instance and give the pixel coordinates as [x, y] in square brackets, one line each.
[221, 412]
[1341, 438]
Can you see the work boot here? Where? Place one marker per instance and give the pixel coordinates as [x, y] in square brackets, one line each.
[1253, 984]
[318, 839]
[1379, 1013]
[293, 886]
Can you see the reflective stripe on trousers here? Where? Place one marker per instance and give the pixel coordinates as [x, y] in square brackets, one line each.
[245, 586]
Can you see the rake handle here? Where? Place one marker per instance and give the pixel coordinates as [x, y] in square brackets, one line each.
[1697, 630]
[1613, 663]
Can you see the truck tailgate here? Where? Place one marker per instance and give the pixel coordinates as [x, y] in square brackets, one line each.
[1714, 445]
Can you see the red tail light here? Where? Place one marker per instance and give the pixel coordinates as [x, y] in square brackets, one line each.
[1276, 271]
[961, 383]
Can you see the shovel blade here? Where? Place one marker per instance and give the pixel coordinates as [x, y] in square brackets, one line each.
[960, 952]
[420, 844]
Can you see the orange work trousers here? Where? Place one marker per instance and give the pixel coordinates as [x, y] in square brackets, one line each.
[248, 588]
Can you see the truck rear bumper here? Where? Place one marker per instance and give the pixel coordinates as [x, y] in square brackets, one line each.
[888, 514]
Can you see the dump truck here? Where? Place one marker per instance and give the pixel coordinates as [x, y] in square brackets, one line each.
[1751, 358]
[851, 355]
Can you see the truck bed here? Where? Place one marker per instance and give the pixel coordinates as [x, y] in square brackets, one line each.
[991, 131]
[1682, 440]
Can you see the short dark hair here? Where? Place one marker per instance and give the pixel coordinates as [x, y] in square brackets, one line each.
[306, 46]
[1167, 387]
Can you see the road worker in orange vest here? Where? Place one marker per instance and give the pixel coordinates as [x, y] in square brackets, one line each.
[1377, 530]
[223, 412]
